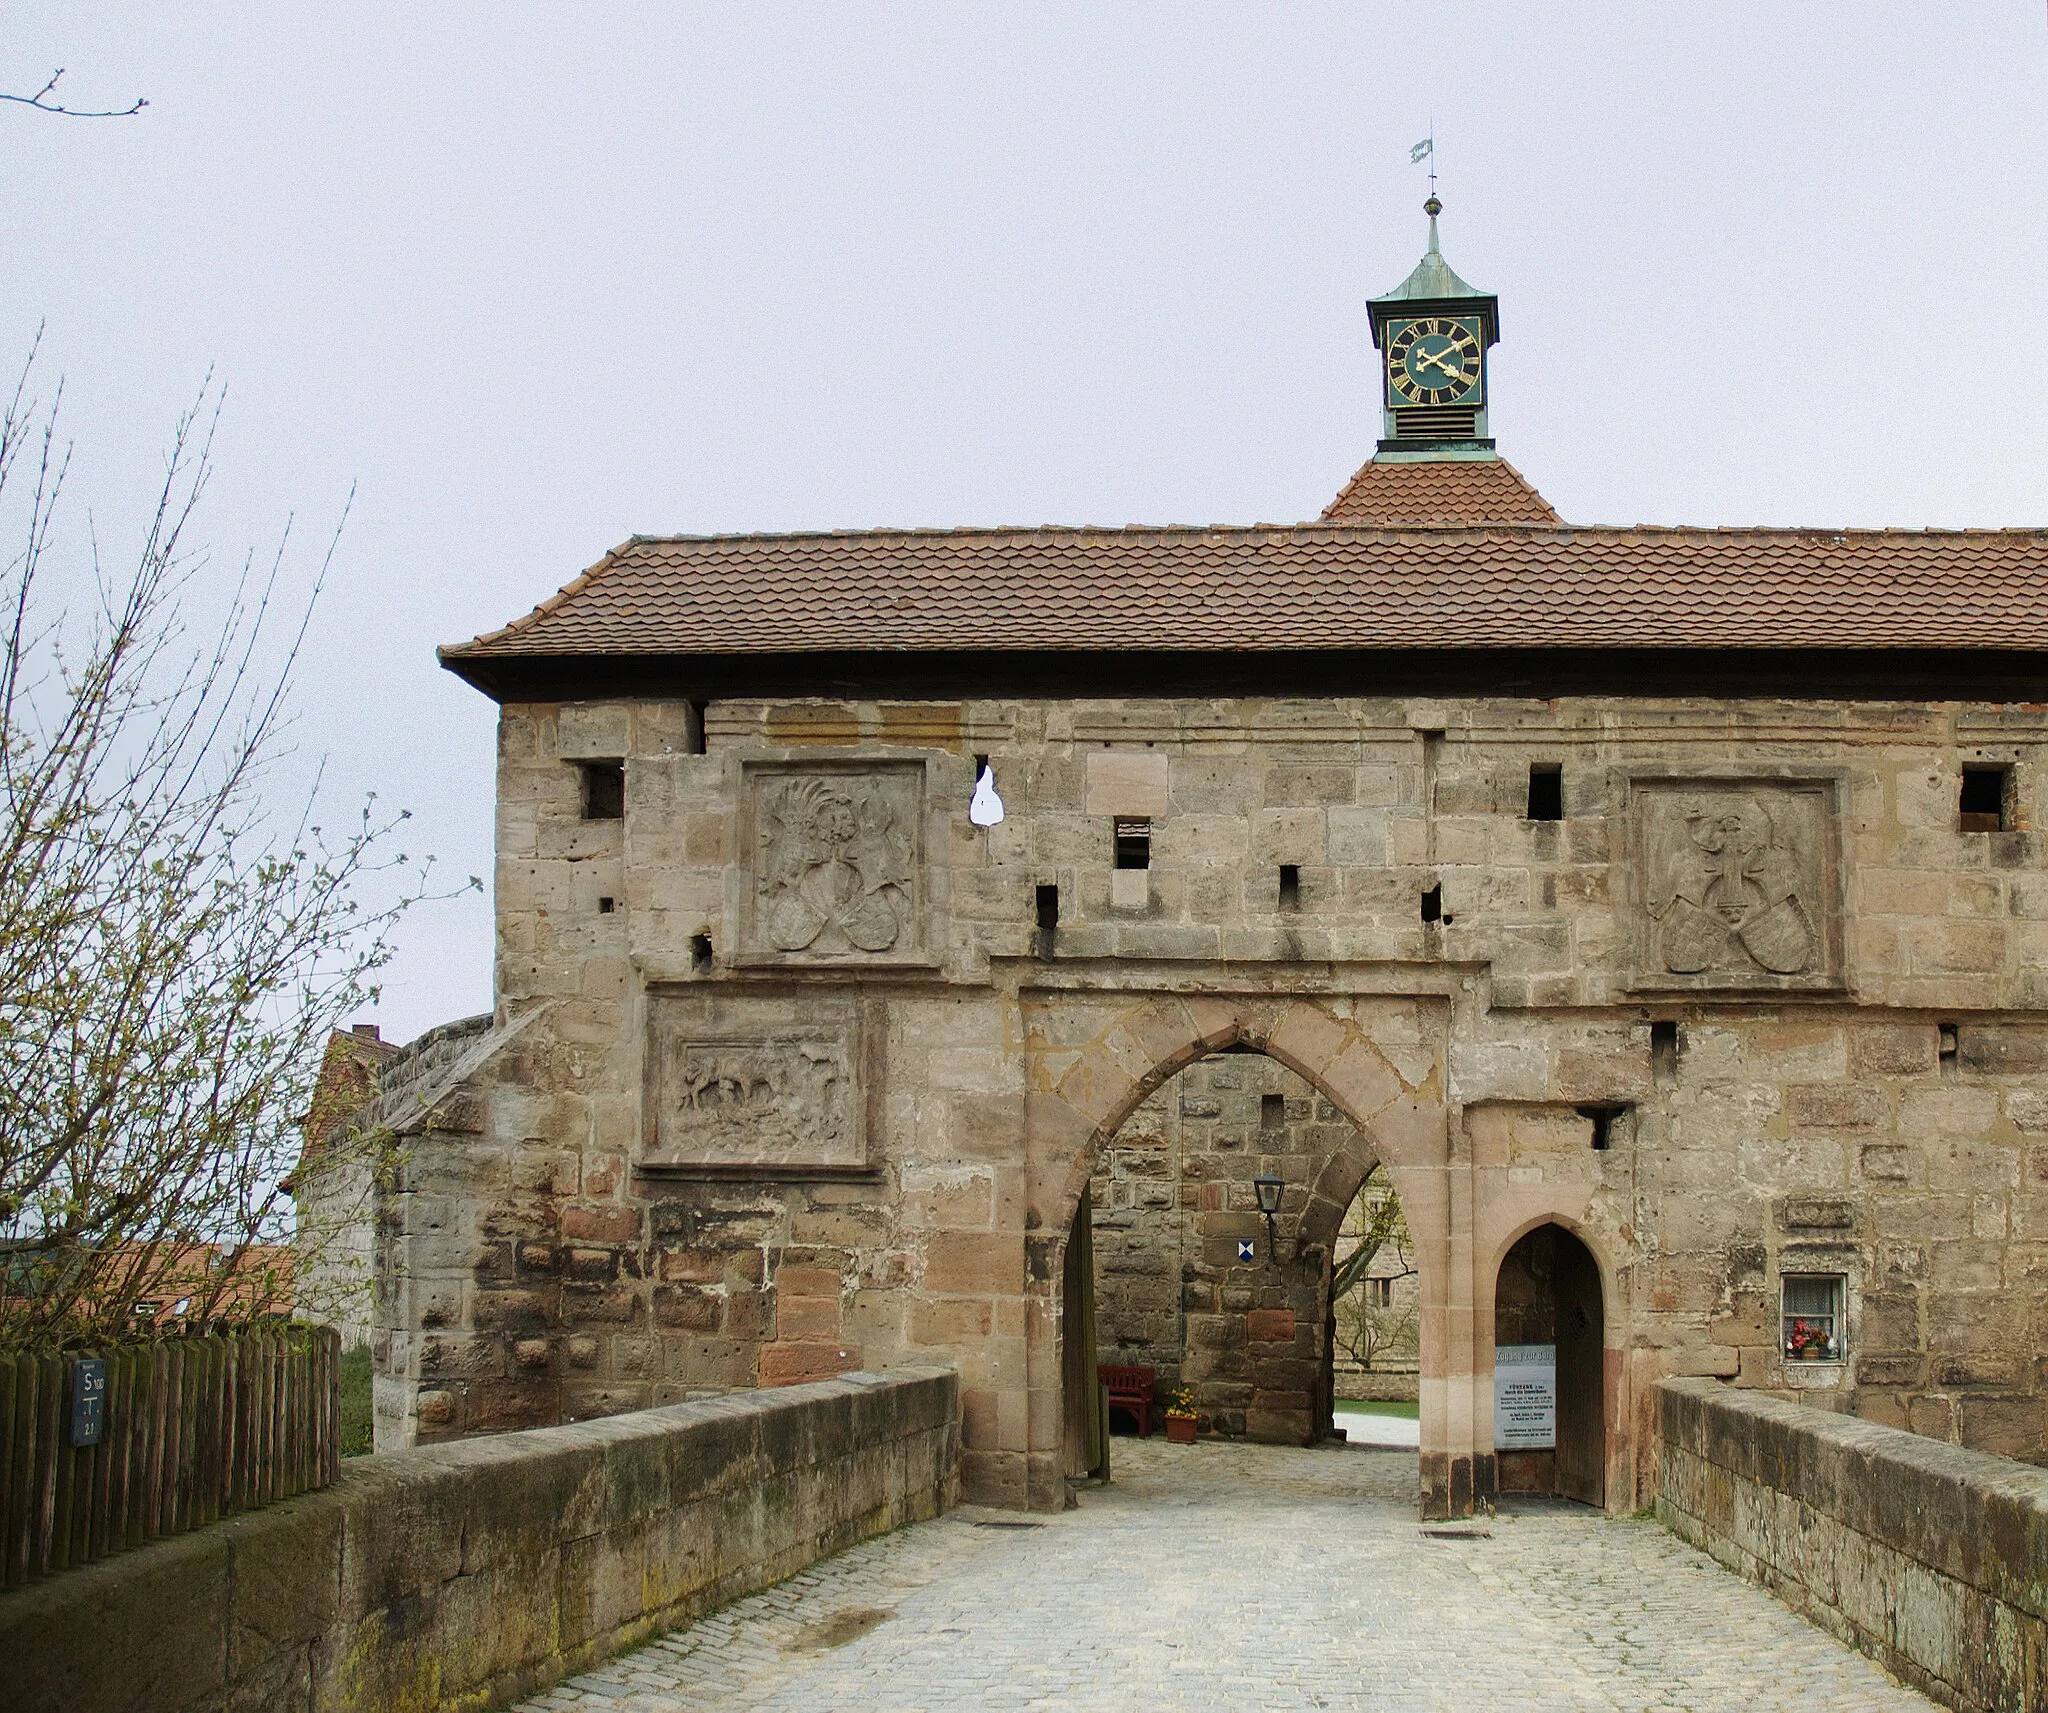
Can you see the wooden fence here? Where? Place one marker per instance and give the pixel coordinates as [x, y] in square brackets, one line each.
[193, 1428]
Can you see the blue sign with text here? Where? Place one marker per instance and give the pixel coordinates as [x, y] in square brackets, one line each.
[88, 1399]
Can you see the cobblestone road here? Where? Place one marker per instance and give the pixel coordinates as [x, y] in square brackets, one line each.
[1251, 1577]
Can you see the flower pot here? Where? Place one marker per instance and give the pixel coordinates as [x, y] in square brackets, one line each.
[1180, 1430]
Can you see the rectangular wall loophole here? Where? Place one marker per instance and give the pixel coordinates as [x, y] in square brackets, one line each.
[1133, 843]
[604, 790]
[1664, 1050]
[1986, 801]
[1546, 791]
[1048, 907]
[1290, 886]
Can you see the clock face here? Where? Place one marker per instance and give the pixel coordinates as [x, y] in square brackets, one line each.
[1435, 361]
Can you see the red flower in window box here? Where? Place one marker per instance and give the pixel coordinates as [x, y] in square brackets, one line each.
[1807, 1342]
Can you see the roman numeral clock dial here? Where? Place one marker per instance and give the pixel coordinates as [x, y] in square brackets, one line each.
[1434, 361]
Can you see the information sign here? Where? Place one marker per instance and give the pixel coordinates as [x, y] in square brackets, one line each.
[1524, 1397]
[88, 1399]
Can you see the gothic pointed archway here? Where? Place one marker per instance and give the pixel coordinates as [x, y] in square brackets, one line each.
[1377, 1061]
[1552, 1406]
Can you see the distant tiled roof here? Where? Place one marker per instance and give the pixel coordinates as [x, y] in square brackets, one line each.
[1319, 586]
[367, 1085]
[1450, 492]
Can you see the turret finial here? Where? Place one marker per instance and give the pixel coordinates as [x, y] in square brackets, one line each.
[1432, 208]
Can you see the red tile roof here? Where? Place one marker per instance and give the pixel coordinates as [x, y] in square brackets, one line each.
[1293, 587]
[1452, 491]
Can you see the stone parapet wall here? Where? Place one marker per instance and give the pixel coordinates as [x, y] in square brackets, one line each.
[465, 1576]
[1378, 1386]
[1932, 1559]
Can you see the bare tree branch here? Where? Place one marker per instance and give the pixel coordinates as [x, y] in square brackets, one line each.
[1363, 1327]
[40, 102]
[174, 956]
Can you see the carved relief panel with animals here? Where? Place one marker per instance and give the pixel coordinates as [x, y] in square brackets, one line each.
[763, 1081]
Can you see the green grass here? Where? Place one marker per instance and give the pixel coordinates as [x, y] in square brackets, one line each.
[1379, 1407]
[357, 1416]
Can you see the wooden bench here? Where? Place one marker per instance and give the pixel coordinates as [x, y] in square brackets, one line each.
[1130, 1388]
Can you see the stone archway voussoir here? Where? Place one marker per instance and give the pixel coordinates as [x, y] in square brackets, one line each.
[1216, 1023]
[1360, 1080]
[1059, 1143]
[1321, 1219]
[1305, 1039]
[1098, 1088]
[1153, 1042]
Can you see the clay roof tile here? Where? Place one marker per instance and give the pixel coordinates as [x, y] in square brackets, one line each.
[1440, 492]
[1317, 586]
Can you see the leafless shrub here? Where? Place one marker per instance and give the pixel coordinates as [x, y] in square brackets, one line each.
[173, 953]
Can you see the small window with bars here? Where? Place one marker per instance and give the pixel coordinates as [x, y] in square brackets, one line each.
[1813, 1317]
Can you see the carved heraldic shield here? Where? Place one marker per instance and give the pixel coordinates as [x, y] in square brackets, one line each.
[1735, 884]
[835, 871]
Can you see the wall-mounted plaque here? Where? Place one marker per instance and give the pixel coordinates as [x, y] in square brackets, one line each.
[1524, 1397]
[88, 1399]
[836, 870]
[1735, 884]
[764, 1082]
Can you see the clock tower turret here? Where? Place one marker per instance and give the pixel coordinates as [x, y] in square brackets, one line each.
[1433, 332]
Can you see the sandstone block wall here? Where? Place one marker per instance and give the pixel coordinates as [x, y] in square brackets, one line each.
[462, 1577]
[790, 1077]
[1927, 1557]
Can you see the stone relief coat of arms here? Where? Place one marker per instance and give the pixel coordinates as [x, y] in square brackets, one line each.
[1736, 885]
[835, 867]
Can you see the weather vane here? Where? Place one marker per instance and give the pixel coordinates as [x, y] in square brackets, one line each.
[1426, 151]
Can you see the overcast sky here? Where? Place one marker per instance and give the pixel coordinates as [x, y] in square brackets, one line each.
[534, 279]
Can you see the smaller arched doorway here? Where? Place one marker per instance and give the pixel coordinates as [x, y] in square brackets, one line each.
[1550, 1369]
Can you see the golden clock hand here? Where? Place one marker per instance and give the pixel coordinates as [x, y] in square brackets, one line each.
[1437, 360]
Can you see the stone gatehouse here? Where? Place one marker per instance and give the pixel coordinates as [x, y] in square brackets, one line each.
[1661, 908]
